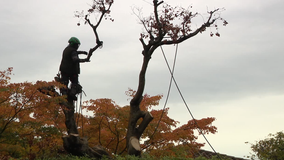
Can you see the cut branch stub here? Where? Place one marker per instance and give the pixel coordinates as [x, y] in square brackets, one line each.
[134, 146]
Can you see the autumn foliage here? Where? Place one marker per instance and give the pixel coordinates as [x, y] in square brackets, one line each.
[32, 123]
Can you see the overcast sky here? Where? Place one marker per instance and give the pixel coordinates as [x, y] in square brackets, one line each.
[236, 78]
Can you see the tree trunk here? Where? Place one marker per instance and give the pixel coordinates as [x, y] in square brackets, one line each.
[73, 143]
[70, 122]
[135, 131]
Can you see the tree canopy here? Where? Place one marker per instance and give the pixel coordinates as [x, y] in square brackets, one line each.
[269, 148]
[30, 122]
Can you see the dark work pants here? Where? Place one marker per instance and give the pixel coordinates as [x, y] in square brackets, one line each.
[65, 77]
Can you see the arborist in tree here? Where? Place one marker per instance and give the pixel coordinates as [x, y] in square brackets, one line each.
[70, 68]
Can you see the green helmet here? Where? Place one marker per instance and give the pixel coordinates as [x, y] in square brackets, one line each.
[74, 40]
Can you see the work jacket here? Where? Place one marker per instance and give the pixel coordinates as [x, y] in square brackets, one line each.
[70, 61]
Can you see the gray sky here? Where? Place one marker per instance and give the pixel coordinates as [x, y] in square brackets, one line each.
[237, 78]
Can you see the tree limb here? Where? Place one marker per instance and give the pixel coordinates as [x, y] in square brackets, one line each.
[94, 27]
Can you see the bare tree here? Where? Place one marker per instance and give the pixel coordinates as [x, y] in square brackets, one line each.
[165, 27]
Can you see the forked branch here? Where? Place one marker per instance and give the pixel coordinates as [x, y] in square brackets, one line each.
[103, 7]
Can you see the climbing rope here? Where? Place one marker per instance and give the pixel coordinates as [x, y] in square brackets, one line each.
[76, 111]
[168, 93]
[79, 112]
[173, 79]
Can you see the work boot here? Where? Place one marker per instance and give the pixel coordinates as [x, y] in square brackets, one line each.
[78, 89]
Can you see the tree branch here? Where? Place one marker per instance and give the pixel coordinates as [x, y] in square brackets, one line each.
[202, 28]
[94, 27]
